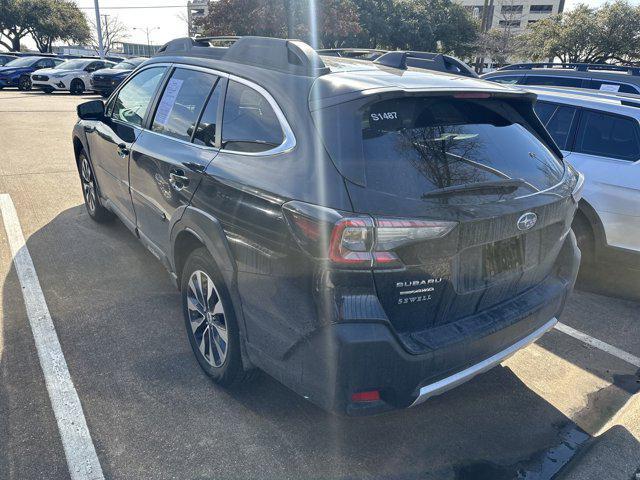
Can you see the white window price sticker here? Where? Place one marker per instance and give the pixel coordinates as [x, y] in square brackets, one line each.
[607, 87]
[168, 100]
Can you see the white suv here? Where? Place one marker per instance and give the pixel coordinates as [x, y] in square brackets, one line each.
[599, 134]
[72, 75]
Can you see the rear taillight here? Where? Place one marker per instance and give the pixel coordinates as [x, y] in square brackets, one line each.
[359, 241]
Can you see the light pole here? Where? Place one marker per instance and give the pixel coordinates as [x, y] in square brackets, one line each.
[147, 31]
[99, 29]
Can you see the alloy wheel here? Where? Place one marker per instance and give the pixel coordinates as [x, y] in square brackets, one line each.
[88, 185]
[207, 318]
[25, 83]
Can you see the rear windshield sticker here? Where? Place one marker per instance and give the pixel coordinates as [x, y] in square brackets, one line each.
[168, 101]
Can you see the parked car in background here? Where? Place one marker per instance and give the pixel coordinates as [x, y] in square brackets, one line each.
[17, 73]
[5, 58]
[72, 75]
[599, 134]
[369, 251]
[610, 78]
[105, 80]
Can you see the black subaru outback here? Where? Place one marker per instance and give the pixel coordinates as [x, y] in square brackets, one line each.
[369, 235]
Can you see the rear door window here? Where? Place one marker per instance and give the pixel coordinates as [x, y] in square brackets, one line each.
[556, 81]
[249, 124]
[182, 101]
[608, 135]
[412, 146]
[207, 126]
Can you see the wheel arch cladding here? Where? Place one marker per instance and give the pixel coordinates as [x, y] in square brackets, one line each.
[194, 228]
[593, 219]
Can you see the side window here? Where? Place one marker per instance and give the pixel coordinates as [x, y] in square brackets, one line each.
[552, 80]
[181, 103]
[559, 125]
[44, 63]
[510, 80]
[133, 99]
[608, 136]
[206, 130]
[608, 86]
[249, 124]
[544, 110]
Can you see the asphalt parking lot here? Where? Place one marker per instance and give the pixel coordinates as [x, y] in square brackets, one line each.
[152, 413]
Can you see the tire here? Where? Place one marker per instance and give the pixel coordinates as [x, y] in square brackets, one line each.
[585, 237]
[77, 87]
[209, 322]
[24, 83]
[90, 191]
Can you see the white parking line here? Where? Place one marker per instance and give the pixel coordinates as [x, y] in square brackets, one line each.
[78, 447]
[594, 342]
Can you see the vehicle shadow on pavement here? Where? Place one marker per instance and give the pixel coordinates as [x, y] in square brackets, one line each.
[154, 414]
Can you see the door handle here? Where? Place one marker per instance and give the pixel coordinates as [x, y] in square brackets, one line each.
[123, 151]
[178, 179]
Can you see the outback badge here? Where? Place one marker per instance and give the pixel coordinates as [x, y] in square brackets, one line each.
[527, 221]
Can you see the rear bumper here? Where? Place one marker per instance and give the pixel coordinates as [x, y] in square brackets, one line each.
[341, 359]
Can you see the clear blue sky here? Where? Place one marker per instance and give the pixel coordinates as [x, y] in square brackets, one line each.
[171, 22]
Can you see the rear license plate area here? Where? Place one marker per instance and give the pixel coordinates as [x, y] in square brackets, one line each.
[502, 257]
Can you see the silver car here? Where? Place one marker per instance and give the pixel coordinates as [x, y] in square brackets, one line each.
[599, 134]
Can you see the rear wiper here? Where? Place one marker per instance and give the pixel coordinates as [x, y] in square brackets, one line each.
[504, 186]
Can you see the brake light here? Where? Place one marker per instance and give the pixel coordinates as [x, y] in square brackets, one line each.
[472, 95]
[358, 241]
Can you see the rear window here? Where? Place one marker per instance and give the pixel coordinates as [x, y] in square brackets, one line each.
[608, 136]
[411, 146]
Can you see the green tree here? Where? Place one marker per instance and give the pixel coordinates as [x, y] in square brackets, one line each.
[432, 25]
[336, 20]
[16, 19]
[58, 20]
[584, 34]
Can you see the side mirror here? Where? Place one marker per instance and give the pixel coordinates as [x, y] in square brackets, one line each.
[93, 110]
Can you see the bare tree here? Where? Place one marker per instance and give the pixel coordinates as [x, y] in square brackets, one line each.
[113, 31]
[501, 42]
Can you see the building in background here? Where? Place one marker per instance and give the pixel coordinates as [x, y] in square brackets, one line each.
[196, 9]
[515, 14]
[120, 49]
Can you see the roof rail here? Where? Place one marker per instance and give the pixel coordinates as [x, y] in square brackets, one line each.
[580, 67]
[287, 56]
[429, 61]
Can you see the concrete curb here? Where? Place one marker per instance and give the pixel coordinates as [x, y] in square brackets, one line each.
[614, 455]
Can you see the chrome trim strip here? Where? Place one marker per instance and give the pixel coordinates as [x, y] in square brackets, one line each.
[467, 374]
[289, 141]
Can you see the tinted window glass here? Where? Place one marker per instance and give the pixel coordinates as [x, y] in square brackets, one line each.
[133, 100]
[412, 146]
[559, 125]
[249, 123]
[556, 81]
[206, 131]
[612, 86]
[181, 103]
[608, 136]
[511, 80]
[544, 111]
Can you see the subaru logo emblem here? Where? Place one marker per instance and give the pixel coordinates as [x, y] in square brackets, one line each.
[527, 221]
